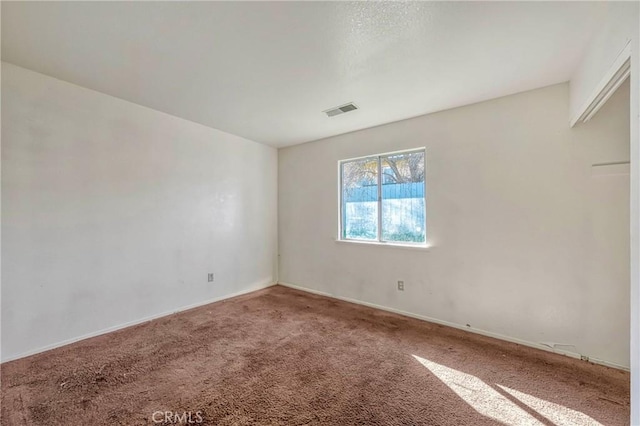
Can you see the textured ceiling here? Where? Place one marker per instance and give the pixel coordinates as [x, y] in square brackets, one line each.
[267, 70]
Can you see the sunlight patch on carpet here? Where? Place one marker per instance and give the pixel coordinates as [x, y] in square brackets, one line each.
[558, 414]
[491, 403]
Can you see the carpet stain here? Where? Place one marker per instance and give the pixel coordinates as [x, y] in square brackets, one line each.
[284, 357]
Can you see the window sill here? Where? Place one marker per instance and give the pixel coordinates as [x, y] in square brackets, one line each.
[419, 247]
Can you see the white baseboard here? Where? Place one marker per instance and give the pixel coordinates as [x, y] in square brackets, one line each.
[253, 287]
[540, 346]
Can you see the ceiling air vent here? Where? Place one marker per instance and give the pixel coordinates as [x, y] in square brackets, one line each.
[341, 109]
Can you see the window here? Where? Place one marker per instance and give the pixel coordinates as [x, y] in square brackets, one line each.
[383, 198]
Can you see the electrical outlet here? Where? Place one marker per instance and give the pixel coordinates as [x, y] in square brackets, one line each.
[210, 277]
[401, 285]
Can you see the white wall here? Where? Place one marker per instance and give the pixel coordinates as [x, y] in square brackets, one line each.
[510, 194]
[621, 26]
[112, 212]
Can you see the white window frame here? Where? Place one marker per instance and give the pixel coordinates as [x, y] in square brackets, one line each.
[379, 240]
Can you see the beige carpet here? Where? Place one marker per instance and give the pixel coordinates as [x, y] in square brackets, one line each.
[283, 357]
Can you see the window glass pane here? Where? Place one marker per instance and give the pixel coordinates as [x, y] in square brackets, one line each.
[403, 198]
[360, 199]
